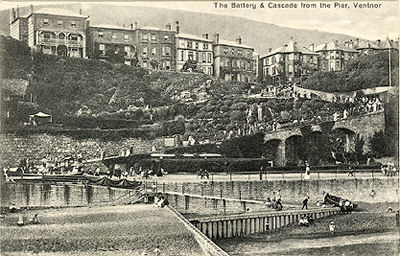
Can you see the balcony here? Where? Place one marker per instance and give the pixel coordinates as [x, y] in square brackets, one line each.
[56, 41]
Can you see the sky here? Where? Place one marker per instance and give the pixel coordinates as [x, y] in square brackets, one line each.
[369, 23]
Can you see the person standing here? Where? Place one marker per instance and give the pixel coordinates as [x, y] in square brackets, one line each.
[332, 227]
[307, 174]
[305, 203]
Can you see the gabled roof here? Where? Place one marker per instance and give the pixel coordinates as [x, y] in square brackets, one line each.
[291, 47]
[14, 86]
[388, 44]
[60, 12]
[367, 45]
[192, 37]
[333, 46]
[233, 44]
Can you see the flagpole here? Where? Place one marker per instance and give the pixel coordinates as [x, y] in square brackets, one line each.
[390, 66]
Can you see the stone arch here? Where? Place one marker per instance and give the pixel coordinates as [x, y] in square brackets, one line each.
[292, 150]
[272, 147]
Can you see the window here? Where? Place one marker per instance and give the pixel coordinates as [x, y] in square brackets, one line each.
[145, 36]
[126, 37]
[197, 56]
[190, 55]
[144, 52]
[240, 52]
[168, 51]
[61, 36]
[114, 36]
[166, 37]
[197, 45]
[145, 64]
[101, 33]
[189, 44]
[153, 37]
[210, 71]
[46, 22]
[182, 56]
[203, 57]
[249, 53]
[59, 22]
[168, 64]
[47, 35]
[116, 49]
[73, 24]
[205, 46]
[225, 50]
[209, 57]
[154, 51]
[233, 51]
[102, 47]
[127, 48]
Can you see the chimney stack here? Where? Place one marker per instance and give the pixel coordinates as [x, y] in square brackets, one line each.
[168, 26]
[131, 26]
[205, 36]
[80, 11]
[177, 27]
[269, 50]
[312, 47]
[12, 16]
[216, 38]
[17, 14]
[239, 40]
[31, 8]
[357, 42]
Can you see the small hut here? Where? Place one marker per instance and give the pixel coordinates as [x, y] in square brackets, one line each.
[40, 118]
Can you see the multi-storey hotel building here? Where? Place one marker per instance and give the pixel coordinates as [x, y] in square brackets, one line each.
[194, 53]
[333, 56]
[51, 31]
[233, 61]
[288, 62]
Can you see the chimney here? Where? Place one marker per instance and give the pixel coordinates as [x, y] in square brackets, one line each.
[131, 26]
[269, 50]
[216, 38]
[31, 8]
[136, 27]
[17, 13]
[357, 42]
[312, 47]
[12, 16]
[378, 42]
[80, 11]
[205, 36]
[239, 40]
[168, 26]
[177, 27]
[336, 41]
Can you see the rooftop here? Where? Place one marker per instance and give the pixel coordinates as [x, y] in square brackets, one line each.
[107, 26]
[292, 47]
[155, 29]
[193, 37]
[232, 43]
[367, 45]
[333, 46]
[60, 12]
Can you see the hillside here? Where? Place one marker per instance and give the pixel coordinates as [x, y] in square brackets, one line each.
[261, 35]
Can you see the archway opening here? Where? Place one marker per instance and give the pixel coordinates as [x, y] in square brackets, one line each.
[294, 150]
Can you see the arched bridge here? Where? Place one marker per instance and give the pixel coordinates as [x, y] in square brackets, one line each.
[361, 127]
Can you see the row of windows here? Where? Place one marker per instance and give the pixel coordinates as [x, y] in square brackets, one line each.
[236, 51]
[165, 50]
[196, 56]
[46, 22]
[153, 37]
[189, 44]
[237, 64]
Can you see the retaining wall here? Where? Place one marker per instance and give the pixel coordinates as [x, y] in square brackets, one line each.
[46, 195]
[293, 191]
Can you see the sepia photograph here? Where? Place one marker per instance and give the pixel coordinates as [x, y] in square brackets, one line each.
[217, 128]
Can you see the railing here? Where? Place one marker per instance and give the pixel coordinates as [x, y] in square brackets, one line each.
[60, 41]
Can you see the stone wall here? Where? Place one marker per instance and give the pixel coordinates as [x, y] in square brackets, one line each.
[294, 191]
[46, 195]
[13, 148]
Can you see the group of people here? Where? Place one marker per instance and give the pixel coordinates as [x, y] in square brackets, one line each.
[306, 220]
[389, 170]
[276, 202]
[160, 200]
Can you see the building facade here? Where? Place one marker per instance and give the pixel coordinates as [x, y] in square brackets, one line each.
[194, 53]
[156, 47]
[112, 43]
[333, 56]
[233, 61]
[52, 31]
[287, 63]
